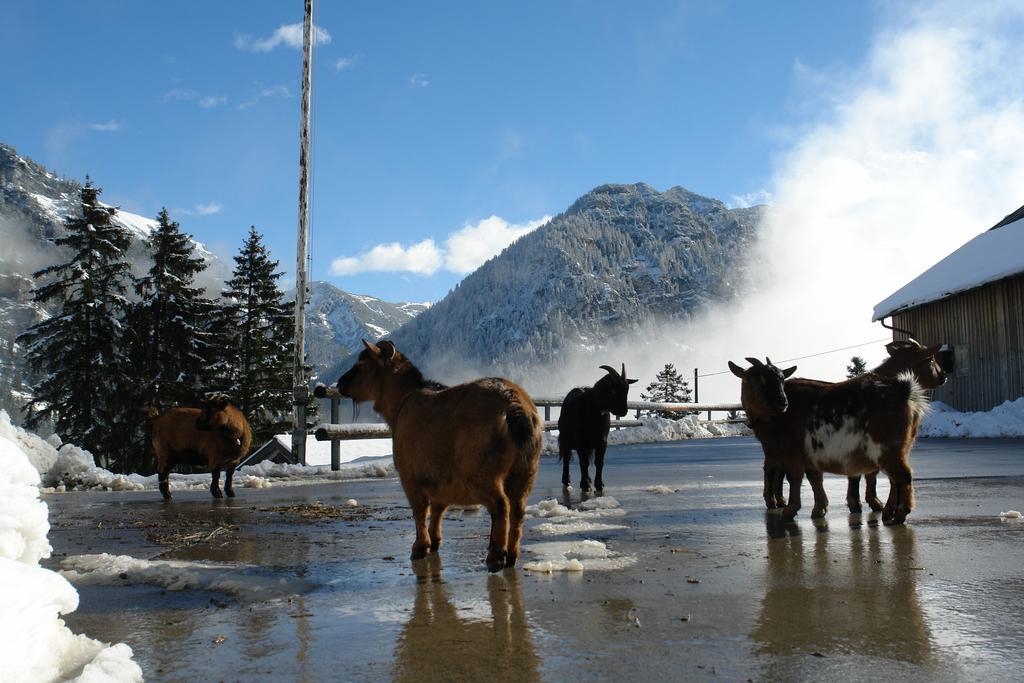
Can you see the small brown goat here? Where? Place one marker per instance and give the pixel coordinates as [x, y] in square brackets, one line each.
[852, 427]
[216, 435]
[904, 356]
[476, 443]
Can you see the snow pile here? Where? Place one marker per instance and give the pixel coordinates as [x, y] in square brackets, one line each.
[238, 580]
[574, 556]
[371, 468]
[659, 488]
[661, 429]
[561, 520]
[35, 645]
[1006, 420]
[1010, 514]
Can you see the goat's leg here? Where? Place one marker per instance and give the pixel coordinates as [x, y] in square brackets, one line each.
[497, 550]
[901, 493]
[420, 505]
[517, 487]
[871, 491]
[585, 468]
[820, 499]
[795, 475]
[163, 477]
[771, 472]
[853, 494]
[566, 455]
[436, 517]
[779, 477]
[599, 467]
[229, 489]
[215, 484]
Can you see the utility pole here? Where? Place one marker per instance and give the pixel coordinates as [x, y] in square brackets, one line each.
[300, 389]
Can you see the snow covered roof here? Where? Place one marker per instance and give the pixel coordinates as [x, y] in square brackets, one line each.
[993, 255]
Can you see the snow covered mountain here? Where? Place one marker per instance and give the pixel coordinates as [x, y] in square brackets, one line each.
[336, 321]
[621, 258]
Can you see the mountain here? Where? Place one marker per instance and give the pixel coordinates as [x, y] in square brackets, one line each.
[337, 321]
[621, 258]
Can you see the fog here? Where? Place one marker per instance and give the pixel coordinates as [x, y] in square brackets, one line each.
[907, 156]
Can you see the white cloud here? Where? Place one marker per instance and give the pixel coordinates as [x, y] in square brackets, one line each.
[190, 95]
[209, 101]
[111, 125]
[422, 258]
[418, 81]
[289, 35]
[264, 92]
[204, 209]
[464, 250]
[467, 249]
[345, 63]
[744, 201]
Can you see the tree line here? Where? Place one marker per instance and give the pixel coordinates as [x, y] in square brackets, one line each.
[118, 347]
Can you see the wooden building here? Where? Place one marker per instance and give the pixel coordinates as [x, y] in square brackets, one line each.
[973, 301]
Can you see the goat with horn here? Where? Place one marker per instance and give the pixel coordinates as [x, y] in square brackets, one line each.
[584, 423]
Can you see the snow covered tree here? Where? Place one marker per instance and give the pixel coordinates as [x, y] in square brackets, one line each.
[78, 350]
[253, 342]
[668, 387]
[856, 367]
[166, 343]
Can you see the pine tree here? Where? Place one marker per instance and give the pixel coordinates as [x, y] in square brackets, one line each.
[253, 335]
[78, 350]
[668, 387]
[167, 345]
[856, 367]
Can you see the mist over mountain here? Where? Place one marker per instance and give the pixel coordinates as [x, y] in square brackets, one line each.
[621, 261]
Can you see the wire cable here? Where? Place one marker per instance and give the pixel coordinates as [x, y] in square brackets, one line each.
[812, 355]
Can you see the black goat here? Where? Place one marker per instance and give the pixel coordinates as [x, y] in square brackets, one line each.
[584, 422]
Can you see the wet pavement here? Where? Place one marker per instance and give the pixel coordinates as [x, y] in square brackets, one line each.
[720, 588]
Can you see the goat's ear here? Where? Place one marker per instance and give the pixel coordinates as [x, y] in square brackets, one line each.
[387, 349]
[788, 371]
[736, 370]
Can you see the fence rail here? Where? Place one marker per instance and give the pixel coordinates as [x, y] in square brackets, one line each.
[335, 432]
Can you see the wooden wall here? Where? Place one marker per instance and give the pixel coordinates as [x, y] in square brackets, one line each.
[985, 326]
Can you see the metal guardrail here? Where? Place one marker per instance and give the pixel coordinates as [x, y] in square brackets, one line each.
[335, 432]
[376, 430]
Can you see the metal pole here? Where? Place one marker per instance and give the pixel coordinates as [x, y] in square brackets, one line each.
[335, 445]
[300, 392]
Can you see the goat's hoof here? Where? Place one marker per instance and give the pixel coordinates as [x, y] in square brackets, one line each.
[230, 493]
[855, 507]
[599, 487]
[495, 564]
[585, 486]
[510, 559]
[789, 513]
[434, 545]
[217, 494]
[875, 504]
[818, 513]
[418, 553]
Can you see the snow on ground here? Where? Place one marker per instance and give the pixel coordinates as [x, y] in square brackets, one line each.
[319, 452]
[1006, 420]
[660, 429]
[63, 467]
[238, 580]
[35, 644]
[578, 555]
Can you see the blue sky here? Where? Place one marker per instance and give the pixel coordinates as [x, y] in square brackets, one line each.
[429, 119]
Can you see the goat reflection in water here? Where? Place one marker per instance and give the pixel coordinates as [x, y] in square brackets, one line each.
[455, 643]
[817, 600]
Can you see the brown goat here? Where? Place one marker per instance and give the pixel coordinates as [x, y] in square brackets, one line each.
[216, 435]
[473, 444]
[904, 356]
[852, 427]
